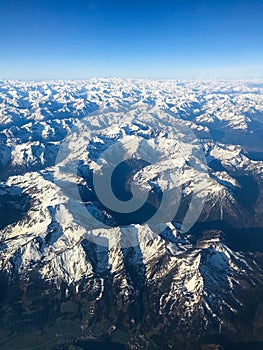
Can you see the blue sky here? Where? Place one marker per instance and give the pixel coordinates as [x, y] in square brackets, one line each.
[78, 39]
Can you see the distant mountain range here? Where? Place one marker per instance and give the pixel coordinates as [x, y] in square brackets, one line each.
[68, 280]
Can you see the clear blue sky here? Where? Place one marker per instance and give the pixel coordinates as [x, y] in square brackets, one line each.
[61, 39]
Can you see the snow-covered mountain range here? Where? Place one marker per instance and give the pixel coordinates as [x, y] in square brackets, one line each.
[148, 284]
